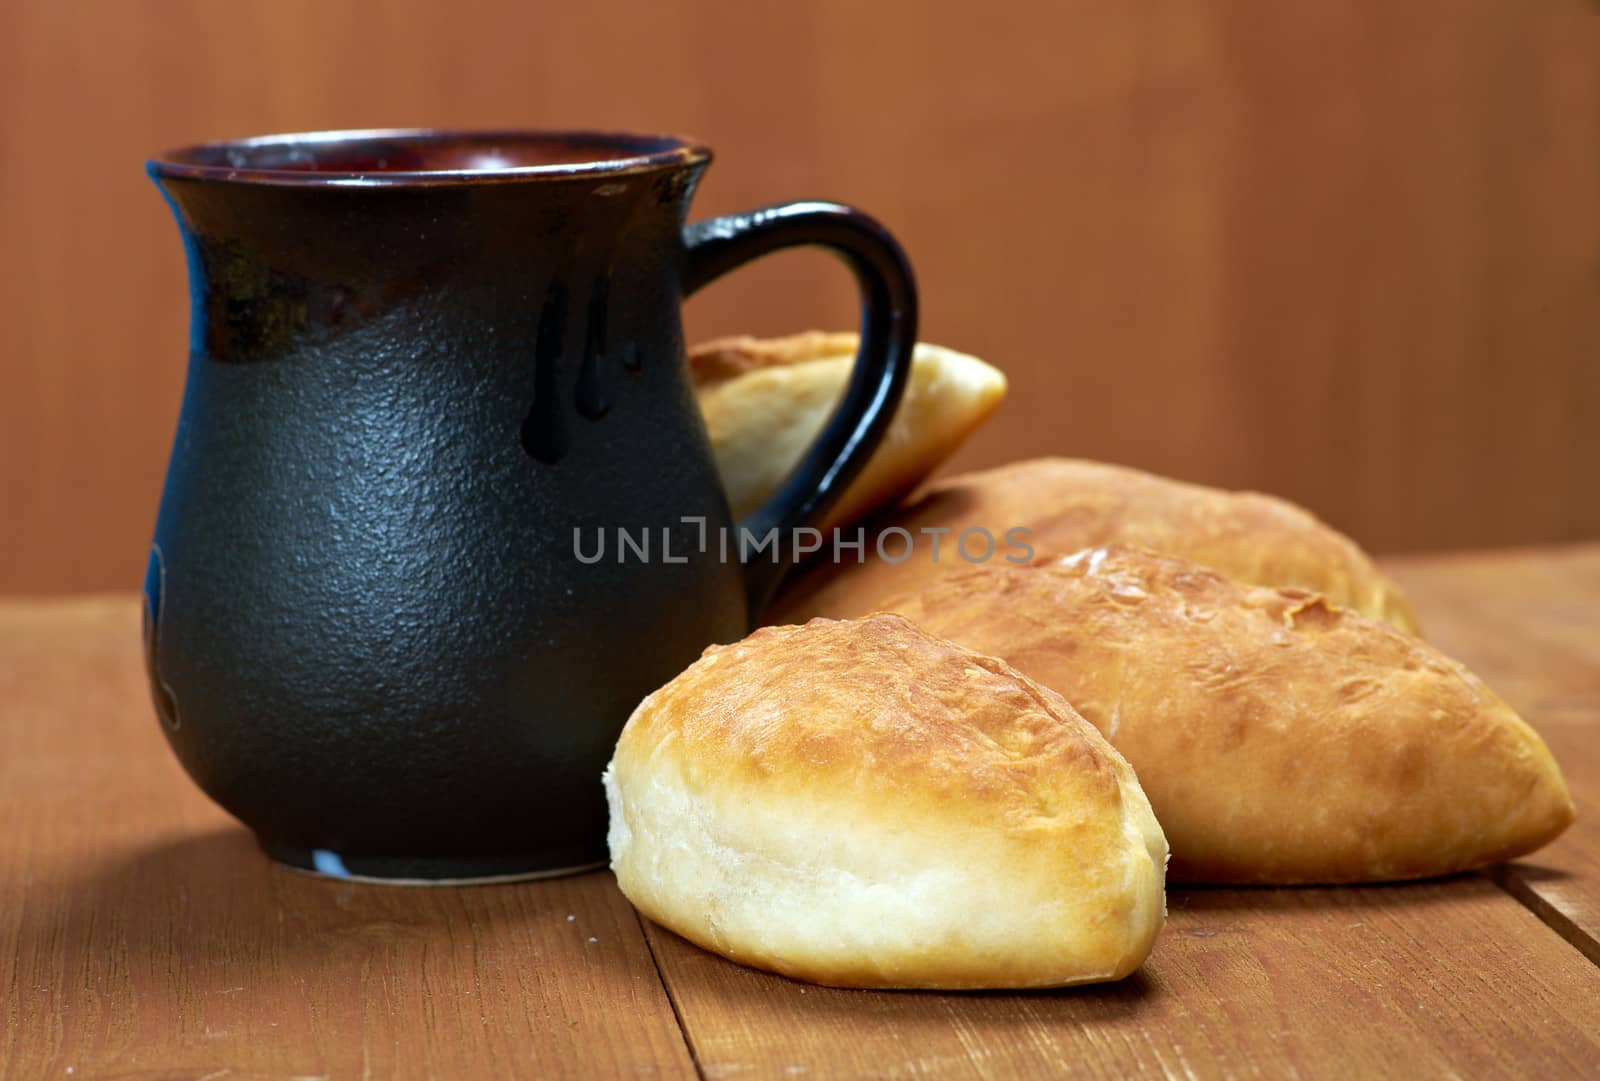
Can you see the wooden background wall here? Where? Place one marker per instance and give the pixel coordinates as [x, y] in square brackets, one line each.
[1345, 250]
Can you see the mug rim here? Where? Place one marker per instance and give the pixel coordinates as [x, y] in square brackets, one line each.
[610, 154]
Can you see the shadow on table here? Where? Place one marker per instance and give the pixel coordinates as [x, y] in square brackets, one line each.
[214, 902]
[1533, 874]
[1421, 894]
[721, 987]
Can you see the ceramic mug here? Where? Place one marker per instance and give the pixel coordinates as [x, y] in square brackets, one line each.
[421, 363]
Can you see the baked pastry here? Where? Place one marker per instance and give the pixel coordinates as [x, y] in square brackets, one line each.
[862, 804]
[1064, 505]
[1281, 738]
[764, 402]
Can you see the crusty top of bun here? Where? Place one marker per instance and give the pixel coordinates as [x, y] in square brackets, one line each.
[878, 705]
[861, 803]
[1280, 738]
[1069, 504]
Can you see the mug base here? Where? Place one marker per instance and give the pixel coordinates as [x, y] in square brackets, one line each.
[429, 871]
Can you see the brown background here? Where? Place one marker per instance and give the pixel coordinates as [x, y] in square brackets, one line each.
[1345, 250]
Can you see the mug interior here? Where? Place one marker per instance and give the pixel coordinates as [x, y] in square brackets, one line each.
[423, 156]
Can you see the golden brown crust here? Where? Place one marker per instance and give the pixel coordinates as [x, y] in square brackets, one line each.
[1281, 739]
[723, 358]
[765, 401]
[1069, 504]
[860, 803]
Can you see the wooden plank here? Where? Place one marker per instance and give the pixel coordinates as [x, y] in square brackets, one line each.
[143, 935]
[1528, 622]
[1439, 979]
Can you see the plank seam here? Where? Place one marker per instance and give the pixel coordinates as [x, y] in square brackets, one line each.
[1506, 877]
[672, 999]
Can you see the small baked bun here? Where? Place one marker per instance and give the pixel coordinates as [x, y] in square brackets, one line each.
[1281, 739]
[764, 402]
[862, 804]
[1065, 505]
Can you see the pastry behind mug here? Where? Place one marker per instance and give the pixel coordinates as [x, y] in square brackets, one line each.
[765, 400]
[861, 804]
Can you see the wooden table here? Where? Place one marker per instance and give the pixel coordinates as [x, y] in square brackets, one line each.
[142, 935]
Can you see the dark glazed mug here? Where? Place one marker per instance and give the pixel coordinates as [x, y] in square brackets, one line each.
[421, 364]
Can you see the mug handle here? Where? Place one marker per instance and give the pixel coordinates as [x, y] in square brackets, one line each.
[888, 335]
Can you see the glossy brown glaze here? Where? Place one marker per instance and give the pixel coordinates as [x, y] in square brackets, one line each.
[422, 156]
